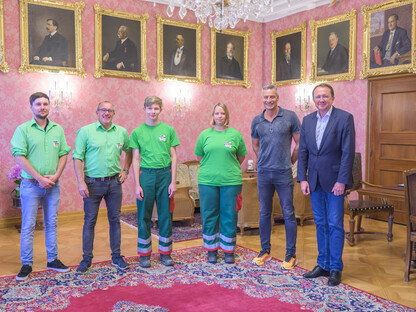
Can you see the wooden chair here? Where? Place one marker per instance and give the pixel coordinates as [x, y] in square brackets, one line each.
[360, 207]
[249, 215]
[405, 58]
[410, 204]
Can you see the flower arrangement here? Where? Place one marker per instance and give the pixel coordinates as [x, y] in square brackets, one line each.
[15, 175]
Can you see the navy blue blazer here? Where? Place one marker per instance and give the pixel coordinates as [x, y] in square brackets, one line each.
[400, 43]
[333, 161]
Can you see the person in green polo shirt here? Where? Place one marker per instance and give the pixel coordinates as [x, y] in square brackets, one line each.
[99, 146]
[220, 149]
[154, 167]
[40, 149]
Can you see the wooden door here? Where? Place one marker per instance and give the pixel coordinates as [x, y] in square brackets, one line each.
[392, 134]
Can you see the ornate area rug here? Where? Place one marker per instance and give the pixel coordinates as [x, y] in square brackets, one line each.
[191, 285]
[181, 230]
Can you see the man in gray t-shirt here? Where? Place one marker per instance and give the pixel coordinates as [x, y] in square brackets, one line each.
[272, 132]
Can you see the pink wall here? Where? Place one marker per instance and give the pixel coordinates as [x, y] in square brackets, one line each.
[127, 94]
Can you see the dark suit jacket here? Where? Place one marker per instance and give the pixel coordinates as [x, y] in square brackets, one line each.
[186, 66]
[287, 71]
[125, 52]
[333, 161]
[337, 62]
[55, 47]
[229, 69]
[400, 43]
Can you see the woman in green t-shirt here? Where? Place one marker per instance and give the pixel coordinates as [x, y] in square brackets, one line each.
[221, 150]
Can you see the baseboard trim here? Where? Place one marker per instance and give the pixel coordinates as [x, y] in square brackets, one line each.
[63, 216]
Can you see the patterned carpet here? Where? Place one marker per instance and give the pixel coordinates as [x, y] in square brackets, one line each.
[191, 285]
[181, 230]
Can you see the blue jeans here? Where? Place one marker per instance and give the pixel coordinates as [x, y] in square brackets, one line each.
[282, 182]
[31, 196]
[112, 193]
[328, 214]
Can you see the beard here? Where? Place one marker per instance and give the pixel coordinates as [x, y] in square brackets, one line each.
[287, 57]
[230, 55]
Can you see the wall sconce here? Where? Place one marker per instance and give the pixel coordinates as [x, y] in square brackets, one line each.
[182, 102]
[303, 98]
[60, 98]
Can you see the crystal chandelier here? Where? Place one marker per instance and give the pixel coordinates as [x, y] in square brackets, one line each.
[221, 13]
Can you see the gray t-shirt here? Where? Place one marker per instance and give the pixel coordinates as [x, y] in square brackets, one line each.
[275, 139]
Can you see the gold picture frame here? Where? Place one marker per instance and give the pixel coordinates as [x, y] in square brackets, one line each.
[337, 63]
[4, 67]
[377, 34]
[188, 68]
[291, 72]
[33, 16]
[137, 28]
[231, 73]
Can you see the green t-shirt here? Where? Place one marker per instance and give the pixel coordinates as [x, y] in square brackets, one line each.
[218, 149]
[154, 143]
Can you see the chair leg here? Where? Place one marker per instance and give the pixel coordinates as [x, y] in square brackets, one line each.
[359, 228]
[408, 258]
[350, 235]
[390, 233]
[242, 230]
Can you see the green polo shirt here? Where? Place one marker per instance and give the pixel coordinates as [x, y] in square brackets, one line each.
[154, 143]
[100, 149]
[41, 148]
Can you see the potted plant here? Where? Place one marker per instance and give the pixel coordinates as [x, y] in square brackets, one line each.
[16, 177]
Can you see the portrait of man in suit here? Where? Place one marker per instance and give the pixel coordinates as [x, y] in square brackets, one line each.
[124, 56]
[336, 61]
[181, 61]
[394, 43]
[288, 67]
[54, 49]
[227, 66]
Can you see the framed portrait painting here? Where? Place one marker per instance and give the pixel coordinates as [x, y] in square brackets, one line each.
[4, 67]
[229, 57]
[334, 48]
[389, 38]
[50, 37]
[120, 44]
[178, 50]
[289, 56]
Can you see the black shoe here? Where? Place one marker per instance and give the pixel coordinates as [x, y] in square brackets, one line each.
[212, 256]
[166, 260]
[145, 261]
[316, 272]
[57, 265]
[119, 262]
[24, 272]
[83, 266]
[229, 257]
[334, 278]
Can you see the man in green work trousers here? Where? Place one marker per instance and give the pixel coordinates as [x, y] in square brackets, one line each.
[99, 146]
[40, 149]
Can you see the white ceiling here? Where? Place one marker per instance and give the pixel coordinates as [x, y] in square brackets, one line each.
[281, 8]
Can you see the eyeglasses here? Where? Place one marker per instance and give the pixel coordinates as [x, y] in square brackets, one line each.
[325, 97]
[104, 110]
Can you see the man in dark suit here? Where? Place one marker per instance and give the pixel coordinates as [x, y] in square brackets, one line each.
[54, 48]
[124, 56]
[228, 67]
[394, 43]
[326, 156]
[288, 68]
[181, 62]
[337, 59]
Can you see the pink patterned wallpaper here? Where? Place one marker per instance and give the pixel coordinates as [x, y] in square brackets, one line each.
[128, 95]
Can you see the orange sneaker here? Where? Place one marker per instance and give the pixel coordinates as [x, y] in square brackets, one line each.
[290, 262]
[262, 258]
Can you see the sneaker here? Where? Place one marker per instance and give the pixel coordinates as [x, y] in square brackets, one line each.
[145, 261]
[229, 257]
[119, 262]
[212, 256]
[24, 272]
[262, 258]
[57, 265]
[83, 266]
[166, 260]
[290, 262]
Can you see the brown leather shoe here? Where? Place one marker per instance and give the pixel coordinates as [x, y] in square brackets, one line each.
[334, 278]
[316, 272]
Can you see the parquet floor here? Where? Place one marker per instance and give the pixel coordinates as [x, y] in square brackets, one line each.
[373, 265]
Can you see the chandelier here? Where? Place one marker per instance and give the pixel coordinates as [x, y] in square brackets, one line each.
[221, 13]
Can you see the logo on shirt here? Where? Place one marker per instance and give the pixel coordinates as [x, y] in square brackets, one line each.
[119, 145]
[162, 138]
[55, 143]
[228, 144]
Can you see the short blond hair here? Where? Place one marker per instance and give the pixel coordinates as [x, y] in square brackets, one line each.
[153, 99]
[226, 111]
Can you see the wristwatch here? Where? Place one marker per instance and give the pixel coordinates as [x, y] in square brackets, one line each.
[126, 170]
